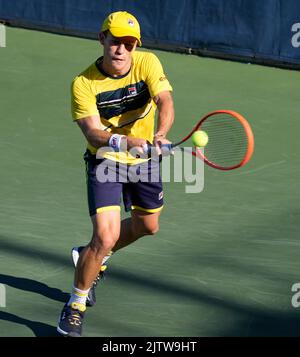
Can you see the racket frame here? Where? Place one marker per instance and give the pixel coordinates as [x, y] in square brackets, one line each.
[248, 131]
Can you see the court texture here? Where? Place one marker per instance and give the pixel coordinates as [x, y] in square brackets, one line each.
[225, 259]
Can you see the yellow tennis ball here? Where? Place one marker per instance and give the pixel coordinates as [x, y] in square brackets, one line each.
[200, 138]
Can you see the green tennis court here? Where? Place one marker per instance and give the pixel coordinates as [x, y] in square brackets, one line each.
[225, 259]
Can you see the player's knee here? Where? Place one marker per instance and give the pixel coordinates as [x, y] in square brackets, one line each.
[150, 229]
[145, 223]
[103, 241]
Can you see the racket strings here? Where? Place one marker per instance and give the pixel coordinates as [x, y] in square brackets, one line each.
[228, 143]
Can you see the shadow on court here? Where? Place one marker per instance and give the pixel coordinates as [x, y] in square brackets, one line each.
[39, 329]
[35, 287]
[253, 321]
[32, 252]
[247, 320]
[267, 325]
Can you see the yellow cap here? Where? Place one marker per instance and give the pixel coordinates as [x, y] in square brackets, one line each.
[122, 24]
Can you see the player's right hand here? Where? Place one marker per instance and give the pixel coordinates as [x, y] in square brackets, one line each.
[134, 145]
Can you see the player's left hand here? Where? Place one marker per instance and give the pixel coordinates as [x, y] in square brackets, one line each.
[158, 141]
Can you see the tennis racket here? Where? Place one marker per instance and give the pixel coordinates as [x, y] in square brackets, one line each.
[230, 140]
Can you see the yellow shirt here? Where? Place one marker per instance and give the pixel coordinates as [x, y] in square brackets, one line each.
[124, 104]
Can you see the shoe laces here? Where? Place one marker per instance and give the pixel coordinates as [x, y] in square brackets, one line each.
[75, 316]
[75, 319]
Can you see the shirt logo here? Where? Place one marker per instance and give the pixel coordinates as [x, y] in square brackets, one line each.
[162, 79]
[132, 90]
[130, 22]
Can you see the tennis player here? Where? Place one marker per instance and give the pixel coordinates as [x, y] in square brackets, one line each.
[114, 103]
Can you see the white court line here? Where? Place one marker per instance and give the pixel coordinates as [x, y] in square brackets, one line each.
[2, 36]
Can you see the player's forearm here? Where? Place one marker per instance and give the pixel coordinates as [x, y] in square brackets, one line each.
[97, 137]
[165, 116]
[165, 122]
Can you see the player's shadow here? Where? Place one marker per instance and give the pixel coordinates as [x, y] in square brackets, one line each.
[39, 329]
[34, 286]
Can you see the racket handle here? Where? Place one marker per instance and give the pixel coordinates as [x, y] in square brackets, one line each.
[165, 148]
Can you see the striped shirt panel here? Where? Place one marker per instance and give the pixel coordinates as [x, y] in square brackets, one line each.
[119, 101]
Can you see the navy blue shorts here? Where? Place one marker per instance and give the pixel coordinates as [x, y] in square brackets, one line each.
[107, 181]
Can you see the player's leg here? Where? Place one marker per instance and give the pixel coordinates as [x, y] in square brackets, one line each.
[91, 298]
[104, 206]
[106, 232]
[140, 224]
[99, 195]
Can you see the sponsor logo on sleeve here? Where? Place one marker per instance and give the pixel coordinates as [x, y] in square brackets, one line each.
[164, 78]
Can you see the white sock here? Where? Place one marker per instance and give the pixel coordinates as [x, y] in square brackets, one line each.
[78, 296]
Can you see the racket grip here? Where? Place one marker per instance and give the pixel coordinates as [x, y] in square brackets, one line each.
[165, 148]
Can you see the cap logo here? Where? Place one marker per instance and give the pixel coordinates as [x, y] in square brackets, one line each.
[130, 22]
